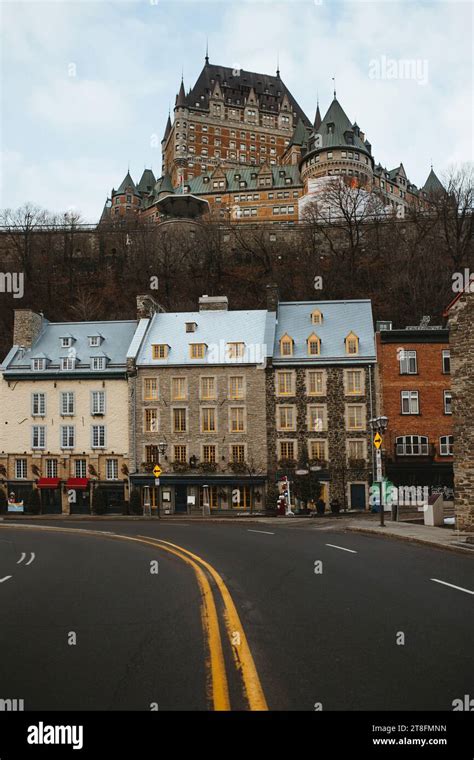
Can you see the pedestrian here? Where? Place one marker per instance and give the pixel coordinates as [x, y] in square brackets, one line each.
[320, 506]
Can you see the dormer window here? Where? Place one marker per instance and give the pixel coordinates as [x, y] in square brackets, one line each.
[159, 350]
[94, 341]
[352, 344]
[38, 365]
[316, 317]
[67, 363]
[66, 342]
[197, 350]
[191, 327]
[286, 345]
[235, 350]
[97, 363]
[330, 128]
[314, 345]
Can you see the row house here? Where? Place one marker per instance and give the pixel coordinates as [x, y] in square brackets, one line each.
[197, 408]
[414, 385]
[63, 424]
[321, 396]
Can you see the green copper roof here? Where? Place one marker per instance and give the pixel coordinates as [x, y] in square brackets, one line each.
[432, 184]
[300, 134]
[127, 182]
[333, 130]
[147, 181]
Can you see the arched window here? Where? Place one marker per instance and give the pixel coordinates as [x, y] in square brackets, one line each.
[286, 345]
[316, 317]
[314, 345]
[352, 344]
[412, 445]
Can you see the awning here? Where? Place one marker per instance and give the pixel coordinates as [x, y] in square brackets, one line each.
[48, 482]
[78, 484]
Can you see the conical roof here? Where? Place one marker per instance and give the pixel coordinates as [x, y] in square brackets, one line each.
[317, 119]
[181, 97]
[127, 182]
[300, 135]
[334, 127]
[147, 181]
[167, 128]
[433, 184]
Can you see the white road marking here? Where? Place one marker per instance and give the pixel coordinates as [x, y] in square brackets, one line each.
[267, 532]
[6, 578]
[458, 588]
[342, 548]
[33, 555]
[23, 555]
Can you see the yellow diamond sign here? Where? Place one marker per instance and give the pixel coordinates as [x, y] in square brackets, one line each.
[157, 470]
[377, 440]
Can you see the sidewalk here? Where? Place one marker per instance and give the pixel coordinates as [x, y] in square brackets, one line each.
[441, 538]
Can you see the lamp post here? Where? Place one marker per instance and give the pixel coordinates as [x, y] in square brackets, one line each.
[162, 447]
[379, 425]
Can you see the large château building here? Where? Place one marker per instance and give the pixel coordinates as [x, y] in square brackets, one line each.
[242, 149]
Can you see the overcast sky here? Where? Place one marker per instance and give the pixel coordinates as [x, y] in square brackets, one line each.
[87, 84]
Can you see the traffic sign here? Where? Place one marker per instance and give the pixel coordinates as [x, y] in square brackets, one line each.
[157, 481]
[377, 440]
[157, 470]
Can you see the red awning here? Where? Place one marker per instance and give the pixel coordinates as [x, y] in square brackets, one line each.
[79, 484]
[48, 482]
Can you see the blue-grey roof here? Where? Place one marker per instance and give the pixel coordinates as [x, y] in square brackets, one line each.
[214, 328]
[116, 339]
[339, 319]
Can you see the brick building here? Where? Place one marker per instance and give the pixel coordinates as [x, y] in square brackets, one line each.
[414, 387]
[321, 396]
[240, 141]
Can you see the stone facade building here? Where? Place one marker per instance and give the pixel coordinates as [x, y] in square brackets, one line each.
[63, 424]
[321, 396]
[197, 408]
[461, 321]
[240, 141]
[414, 383]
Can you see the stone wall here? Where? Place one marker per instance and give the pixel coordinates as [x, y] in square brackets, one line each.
[461, 320]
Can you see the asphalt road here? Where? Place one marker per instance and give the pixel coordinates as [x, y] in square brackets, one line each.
[330, 638]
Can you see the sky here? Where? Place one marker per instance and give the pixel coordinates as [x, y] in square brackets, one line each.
[86, 85]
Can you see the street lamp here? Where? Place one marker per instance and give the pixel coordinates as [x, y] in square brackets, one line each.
[379, 425]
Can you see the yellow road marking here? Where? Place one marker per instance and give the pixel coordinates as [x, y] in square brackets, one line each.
[218, 686]
[240, 647]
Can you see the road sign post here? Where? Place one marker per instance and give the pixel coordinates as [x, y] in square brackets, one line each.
[157, 472]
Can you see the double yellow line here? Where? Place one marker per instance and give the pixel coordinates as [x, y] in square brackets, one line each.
[243, 659]
[217, 685]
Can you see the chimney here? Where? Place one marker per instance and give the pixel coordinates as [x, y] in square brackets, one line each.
[147, 306]
[26, 327]
[213, 303]
[272, 296]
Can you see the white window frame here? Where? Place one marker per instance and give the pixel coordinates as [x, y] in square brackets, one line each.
[446, 443]
[80, 468]
[68, 363]
[448, 395]
[67, 409]
[409, 402]
[67, 437]
[446, 356]
[405, 360]
[40, 399]
[100, 408]
[98, 363]
[101, 435]
[39, 432]
[38, 365]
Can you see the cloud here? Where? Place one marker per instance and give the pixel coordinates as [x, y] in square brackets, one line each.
[73, 104]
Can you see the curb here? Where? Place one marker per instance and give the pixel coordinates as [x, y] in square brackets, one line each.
[412, 539]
